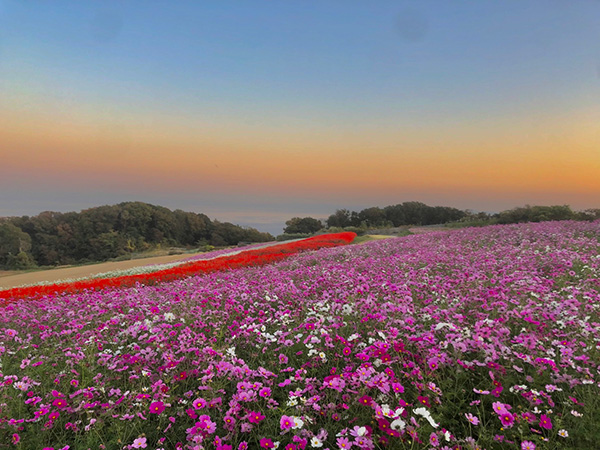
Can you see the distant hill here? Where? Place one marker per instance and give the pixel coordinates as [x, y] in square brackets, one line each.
[106, 232]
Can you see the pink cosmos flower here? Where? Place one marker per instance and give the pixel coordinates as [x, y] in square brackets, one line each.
[433, 364]
[214, 402]
[206, 425]
[433, 440]
[199, 403]
[500, 408]
[243, 446]
[397, 387]
[362, 356]
[471, 418]
[529, 417]
[527, 445]
[286, 422]
[265, 392]
[157, 407]
[497, 391]
[139, 443]
[229, 421]
[41, 412]
[363, 442]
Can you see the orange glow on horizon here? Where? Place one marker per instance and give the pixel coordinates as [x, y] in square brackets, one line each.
[174, 158]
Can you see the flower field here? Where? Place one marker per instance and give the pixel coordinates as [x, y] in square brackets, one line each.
[474, 338]
[222, 260]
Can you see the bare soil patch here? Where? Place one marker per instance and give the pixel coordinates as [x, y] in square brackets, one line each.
[9, 279]
[381, 236]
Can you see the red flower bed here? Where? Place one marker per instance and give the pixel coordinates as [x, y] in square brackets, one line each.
[248, 258]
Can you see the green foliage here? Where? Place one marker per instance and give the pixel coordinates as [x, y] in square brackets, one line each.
[303, 225]
[358, 230]
[407, 213]
[14, 248]
[340, 219]
[589, 214]
[20, 261]
[108, 232]
[536, 214]
[290, 236]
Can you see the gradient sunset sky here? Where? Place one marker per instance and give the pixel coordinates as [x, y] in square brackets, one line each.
[257, 111]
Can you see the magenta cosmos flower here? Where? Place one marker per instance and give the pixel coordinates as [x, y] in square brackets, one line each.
[266, 443]
[265, 392]
[157, 407]
[59, 403]
[255, 417]
[507, 420]
[545, 422]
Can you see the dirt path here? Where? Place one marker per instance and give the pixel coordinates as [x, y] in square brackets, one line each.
[13, 279]
[10, 279]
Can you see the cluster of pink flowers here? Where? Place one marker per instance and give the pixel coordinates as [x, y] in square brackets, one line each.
[461, 339]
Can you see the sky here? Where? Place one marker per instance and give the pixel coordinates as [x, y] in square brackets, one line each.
[258, 111]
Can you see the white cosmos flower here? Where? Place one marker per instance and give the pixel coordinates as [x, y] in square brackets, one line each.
[360, 431]
[398, 424]
[298, 422]
[316, 442]
[423, 412]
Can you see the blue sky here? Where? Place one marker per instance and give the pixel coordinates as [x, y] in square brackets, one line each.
[474, 104]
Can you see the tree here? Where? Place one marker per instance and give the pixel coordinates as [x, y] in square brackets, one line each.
[395, 214]
[589, 214]
[372, 217]
[302, 225]
[14, 247]
[529, 213]
[341, 218]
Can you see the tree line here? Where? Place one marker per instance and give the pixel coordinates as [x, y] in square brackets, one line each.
[407, 213]
[107, 232]
[417, 213]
